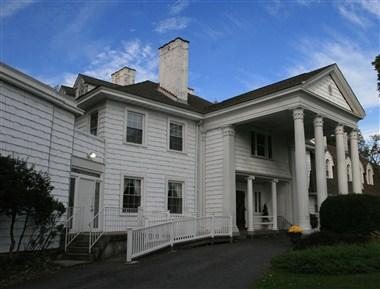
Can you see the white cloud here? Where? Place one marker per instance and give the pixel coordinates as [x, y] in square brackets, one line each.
[358, 12]
[133, 54]
[11, 7]
[354, 62]
[178, 6]
[172, 23]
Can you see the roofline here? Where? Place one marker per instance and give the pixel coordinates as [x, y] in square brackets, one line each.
[36, 87]
[140, 101]
[129, 68]
[177, 38]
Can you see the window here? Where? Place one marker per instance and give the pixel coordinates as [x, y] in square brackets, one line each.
[71, 201]
[176, 137]
[257, 202]
[131, 194]
[369, 174]
[261, 145]
[135, 124]
[96, 205]
[175, 197]
[329, 165]
[94, 123]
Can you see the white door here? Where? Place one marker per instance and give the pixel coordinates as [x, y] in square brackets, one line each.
[87, 198]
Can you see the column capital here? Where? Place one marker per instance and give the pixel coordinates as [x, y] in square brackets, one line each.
[354, 134]
[274, 181]
[298, 113]
[228, 131]
[318, 121]
[339, 129]
[250, 178]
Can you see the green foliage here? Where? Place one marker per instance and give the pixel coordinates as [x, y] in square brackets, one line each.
[331, 260]
[376, 64]
[370, 148]
[324, 238]
[359, 214]
[25, 194]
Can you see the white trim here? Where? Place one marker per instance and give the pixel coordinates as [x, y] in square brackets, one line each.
[145, 126]
[142, 178]
[184, 134]
[178, 180]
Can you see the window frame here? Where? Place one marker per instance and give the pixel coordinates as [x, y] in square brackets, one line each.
[184, 133]
[144, 126]
[268, 145]
[121, 201]
[175, 180]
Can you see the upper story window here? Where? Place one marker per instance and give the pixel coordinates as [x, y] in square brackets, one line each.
[135, 127]
[175, 192]
[329, 165]
[261, 145]
[176, 132]
[94, 123]
[131, 194]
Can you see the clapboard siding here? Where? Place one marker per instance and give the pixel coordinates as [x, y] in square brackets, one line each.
[152, 162]
[321, 87]
[214, 172]
[85, 143]
[278, 166]
[39, 132]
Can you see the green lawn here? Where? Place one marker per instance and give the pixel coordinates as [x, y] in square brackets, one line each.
[283, 280]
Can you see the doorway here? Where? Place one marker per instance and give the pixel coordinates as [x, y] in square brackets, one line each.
[240, 210]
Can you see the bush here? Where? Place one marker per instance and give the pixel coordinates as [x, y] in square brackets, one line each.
[324, 238]
[352, 213]
[331, 260]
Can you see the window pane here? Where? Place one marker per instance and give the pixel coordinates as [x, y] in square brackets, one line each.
[261, 143]
[175, 197]
[176, 140]
[269, 147]
[132, 194]
[94, 123]
[253, 143]
[135, 123]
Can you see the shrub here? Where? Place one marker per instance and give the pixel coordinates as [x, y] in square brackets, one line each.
[333, 260]
[324, 238]
[350, 214]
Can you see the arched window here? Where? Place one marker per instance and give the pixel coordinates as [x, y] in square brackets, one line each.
[369, 174]
[349, 169]
[329, 165]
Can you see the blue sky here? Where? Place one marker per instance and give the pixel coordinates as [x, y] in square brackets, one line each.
[235, 46]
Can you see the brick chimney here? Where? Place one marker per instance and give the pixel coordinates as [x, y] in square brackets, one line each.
[174, 68]
[124, 76]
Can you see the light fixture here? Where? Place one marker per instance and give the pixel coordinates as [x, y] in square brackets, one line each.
[92, 155]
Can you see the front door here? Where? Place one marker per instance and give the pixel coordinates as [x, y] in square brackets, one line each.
[87, 198]
[240, 209]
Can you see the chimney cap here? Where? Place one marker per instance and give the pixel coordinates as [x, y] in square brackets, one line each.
[124, 67]
[177, 38]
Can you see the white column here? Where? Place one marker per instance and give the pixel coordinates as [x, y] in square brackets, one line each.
[274, 203]
[250, 203]
[356, 178]
[341, 160]
[229, 181]
[302, 194]
[320, 164]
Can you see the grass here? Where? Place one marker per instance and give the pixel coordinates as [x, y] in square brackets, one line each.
[283, 280]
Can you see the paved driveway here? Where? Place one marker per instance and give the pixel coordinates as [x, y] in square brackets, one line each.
[226, 265]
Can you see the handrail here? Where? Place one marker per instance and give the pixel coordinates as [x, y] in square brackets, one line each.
[144, 240]
[75, 216]
[94, 236]
[283, 223]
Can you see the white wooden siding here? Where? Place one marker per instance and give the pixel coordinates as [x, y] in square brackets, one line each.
[278, 166]
[214, 172]
[321, 88]
[153, 162]
[85, 143]
[39, 132]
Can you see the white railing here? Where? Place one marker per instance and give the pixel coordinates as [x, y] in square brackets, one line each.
[263, 221]
[95, 231]
[73, 224]
[141, 241]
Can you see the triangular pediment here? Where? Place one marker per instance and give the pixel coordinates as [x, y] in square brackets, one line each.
[331, 85]
[328, 89]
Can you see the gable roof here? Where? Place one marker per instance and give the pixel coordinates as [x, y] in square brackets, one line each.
[152, 91]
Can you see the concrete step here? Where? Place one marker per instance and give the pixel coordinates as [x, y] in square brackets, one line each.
[75, 249]
[77, 256]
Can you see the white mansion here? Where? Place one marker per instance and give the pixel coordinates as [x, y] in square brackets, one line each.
[122, 149]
